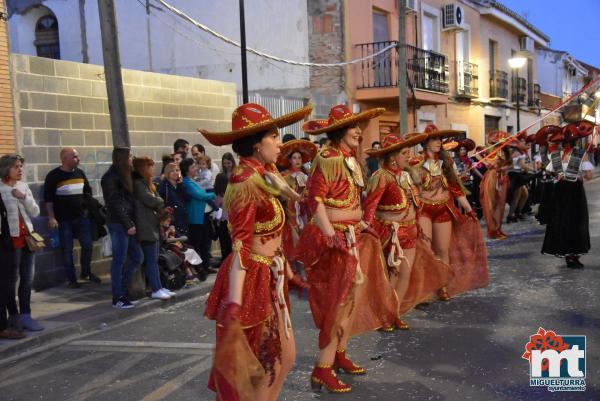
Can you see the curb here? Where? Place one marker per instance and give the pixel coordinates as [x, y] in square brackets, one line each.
[111, 316]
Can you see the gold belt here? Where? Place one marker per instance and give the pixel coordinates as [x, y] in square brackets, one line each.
[434, 202]
[344, 227]
[265, 260]
[405, 223]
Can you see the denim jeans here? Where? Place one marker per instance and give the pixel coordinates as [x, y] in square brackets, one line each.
[124, 248]
[151, 264]
[24, 272]
[82, 230]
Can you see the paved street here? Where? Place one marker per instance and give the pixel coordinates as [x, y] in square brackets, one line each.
[467, 349]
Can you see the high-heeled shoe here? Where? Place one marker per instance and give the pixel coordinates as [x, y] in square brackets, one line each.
[402, 325]
[343, 362]
[324, 375]
[443, 294]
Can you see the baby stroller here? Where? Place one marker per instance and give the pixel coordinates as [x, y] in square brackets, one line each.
[170, 267]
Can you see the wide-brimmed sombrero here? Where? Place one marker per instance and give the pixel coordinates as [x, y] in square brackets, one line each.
[450, 145]
[433, 132]
[250, 118]
[307, 149]
[340, 116]
[541, 136]
[467, 143]
[578, 130]
[498, 137]
[395, 142]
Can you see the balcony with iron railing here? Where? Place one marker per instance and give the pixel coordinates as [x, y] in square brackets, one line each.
[498, 85]
[467, 79]
[426, 70]
[533, 96]
[522, 85]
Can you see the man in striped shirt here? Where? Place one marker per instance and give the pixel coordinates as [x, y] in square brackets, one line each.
[65, 191]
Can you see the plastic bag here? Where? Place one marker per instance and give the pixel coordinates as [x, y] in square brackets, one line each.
[106, 246]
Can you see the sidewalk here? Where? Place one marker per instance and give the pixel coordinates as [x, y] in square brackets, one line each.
[65, 312]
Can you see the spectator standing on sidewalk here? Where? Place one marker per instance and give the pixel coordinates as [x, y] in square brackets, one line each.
[20, 207]
[198, 150]
[181, 146]
[65, 191]
[172, 191]
[117, 189]
[147, 207]
[199, 235]
[221, 182]
[7, 272]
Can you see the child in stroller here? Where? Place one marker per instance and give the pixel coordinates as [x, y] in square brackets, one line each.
[190, 260]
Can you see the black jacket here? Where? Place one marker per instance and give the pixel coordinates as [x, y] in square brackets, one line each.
[119, 202]
[175, 198]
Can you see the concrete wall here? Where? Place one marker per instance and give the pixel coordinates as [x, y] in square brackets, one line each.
[162, 42]
[61, 103]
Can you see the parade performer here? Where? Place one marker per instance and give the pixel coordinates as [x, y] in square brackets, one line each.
[544, 177]
[349, 290]
[494, 186]
[519, 175]
[255, 347]
[567, 231]
[455, 238]
[294, 154]
[391, 208]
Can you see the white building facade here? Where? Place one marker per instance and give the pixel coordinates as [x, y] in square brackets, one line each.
[153, 39]
[559, 74]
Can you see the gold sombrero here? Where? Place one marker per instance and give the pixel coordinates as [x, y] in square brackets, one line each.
[307, 149]
[394, 142]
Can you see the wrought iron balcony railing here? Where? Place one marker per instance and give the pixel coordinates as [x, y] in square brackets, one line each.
[533, 95]
[426, 69]
[522, 83]
[467, 79]
[498, 84]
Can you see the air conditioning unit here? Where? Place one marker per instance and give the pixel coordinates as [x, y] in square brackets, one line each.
[411, 6]
[526, 44]
[453, 17]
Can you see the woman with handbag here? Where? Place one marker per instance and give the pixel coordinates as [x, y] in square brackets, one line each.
[147, 206]
[20, 207]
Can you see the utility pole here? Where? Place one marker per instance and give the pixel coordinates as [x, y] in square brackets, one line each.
[243, 44]
[112, 73]
[402, 93]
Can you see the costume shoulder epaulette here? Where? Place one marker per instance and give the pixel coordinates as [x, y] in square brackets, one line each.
[329, 153]
[241, 173]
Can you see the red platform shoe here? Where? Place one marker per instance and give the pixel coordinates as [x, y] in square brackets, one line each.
[402, 325]
[443, 294]
[324, 375]
[344, 363]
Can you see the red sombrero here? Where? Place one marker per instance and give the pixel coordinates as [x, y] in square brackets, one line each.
[467, 143]
[497, 137]
[450, 145]
[250, 118]
[433, 132]
[578, 130]
[541, 136]
[340, 116]
[307, 149]
[394, 142]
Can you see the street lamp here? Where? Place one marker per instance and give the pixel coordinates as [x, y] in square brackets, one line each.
[515, 63]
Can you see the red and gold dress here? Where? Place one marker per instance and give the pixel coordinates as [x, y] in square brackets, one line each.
[346, 272]
[255, 216]
[493, 192]
[295, 212]
[392, 191]
[467, 252]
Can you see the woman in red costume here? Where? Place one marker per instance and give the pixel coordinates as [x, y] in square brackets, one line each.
[293, 155]
[455, 238]
[255, 347]
[391, 209]
[345, 268]
[494, 186]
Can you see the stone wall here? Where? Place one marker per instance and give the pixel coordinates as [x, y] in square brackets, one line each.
[61, 103]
